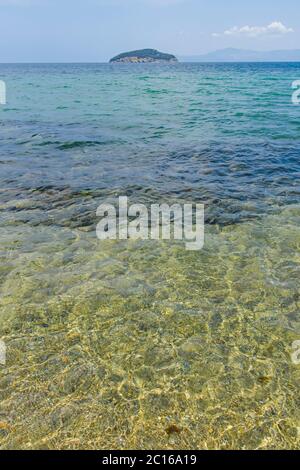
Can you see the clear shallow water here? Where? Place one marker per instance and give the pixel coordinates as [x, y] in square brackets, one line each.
[143, 344]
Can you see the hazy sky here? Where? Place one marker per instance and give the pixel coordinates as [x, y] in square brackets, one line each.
[95, 30]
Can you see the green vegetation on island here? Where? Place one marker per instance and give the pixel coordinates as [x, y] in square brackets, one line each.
[144, 56]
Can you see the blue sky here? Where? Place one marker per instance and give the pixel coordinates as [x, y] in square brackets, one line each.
[95, 30]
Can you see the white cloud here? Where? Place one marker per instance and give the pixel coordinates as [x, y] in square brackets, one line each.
[276, 28]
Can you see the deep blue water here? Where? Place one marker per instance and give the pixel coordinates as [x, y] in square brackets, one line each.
[226, 134]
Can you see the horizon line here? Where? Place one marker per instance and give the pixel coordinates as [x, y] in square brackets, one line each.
[130, 64]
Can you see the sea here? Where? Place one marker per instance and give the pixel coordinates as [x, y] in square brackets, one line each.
[142, 344]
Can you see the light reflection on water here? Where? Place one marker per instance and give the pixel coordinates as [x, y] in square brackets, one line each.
[143, 344]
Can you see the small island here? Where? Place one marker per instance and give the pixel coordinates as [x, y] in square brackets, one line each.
[144, 56]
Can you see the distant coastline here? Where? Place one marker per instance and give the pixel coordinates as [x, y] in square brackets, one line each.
[244, 55]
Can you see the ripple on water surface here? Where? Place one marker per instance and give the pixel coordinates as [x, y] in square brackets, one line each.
[121, 345]
[145, 345]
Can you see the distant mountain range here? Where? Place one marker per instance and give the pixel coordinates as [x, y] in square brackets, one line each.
[241, 55]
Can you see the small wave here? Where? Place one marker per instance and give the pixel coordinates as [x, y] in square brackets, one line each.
[71, 144]
[79, 144]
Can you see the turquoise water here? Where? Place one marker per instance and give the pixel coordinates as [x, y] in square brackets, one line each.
[131, 344]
